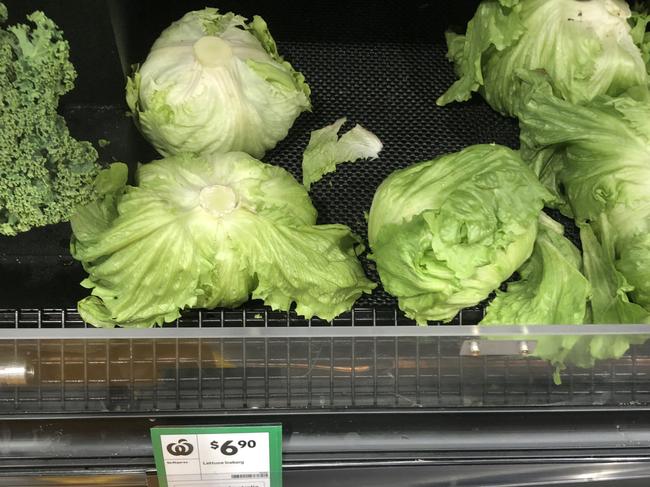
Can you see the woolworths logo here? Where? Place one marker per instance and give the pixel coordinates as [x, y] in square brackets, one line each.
[181, 448]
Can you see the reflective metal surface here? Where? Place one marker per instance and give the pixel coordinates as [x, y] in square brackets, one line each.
[32, 479]
[406, 474]
[189, 375]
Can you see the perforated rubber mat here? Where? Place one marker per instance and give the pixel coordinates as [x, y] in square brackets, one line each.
[389, 88]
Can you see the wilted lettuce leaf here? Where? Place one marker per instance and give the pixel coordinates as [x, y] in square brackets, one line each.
[326, 150]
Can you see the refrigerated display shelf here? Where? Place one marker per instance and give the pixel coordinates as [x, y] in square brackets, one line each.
[485, 448]
[369, 398]
[374, 364]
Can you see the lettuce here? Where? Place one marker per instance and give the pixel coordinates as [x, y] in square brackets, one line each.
[216, 83]
[326, 150]
[587, 48]
[609, 304]
[557, 287]
[201, 232]
[596, 159]
[551, 288]
[445, 233]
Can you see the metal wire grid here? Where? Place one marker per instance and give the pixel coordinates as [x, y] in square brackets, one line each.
[75, 376]
[247, 317]
[153, 375]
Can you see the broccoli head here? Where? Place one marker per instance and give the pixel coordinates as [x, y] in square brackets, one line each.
[44, 172]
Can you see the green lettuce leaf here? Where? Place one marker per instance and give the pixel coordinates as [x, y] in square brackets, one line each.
[551, 288]
[609, 305]
[610, 302]
[495, 27]
[639, 22]
[326, 150]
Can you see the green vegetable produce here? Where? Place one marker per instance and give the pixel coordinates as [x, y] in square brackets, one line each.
[215, 83]
[445, 233]
[586, 47]
[609, 305]
[609, 302]
[44, 172]
[596, 159]
[201, 232]
[326, 150]
[551, 288]
[639, 22]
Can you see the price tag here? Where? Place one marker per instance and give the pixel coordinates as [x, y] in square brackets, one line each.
[224, 456]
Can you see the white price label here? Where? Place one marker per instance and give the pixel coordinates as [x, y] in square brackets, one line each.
[215, 459]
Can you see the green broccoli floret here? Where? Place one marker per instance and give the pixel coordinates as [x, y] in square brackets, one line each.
[44, 172]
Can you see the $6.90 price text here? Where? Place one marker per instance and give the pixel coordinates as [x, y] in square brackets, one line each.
[229, 449]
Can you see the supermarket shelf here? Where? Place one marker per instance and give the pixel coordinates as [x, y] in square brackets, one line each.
[321, 332]
[491, 449]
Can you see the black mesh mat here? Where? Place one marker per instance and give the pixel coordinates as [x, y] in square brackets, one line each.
[390, 88]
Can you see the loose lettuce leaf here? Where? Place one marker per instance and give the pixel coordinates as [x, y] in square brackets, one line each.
[495, 27]
[200, 232]
[551, 288]
[445, 233]
[586, 48]
[633, 262]
[326, 150]
[609, 303]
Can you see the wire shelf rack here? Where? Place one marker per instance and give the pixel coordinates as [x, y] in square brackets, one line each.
[276, 372]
